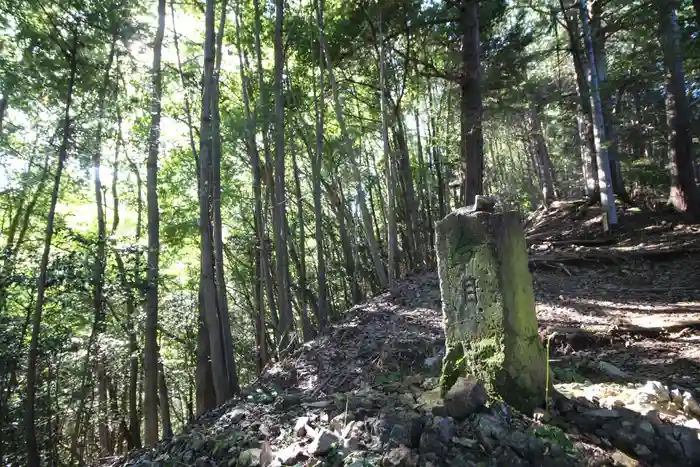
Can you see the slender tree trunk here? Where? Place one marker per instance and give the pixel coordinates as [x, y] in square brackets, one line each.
[353, 159]
[188, 111]
[316, 166]
[684, 196]
[279, 219]
[424, 188]
[434, 138]
[268, 173]
[607, 199]
[260, 253]
[102, 408]
[217, 234]
[3, 109]
[205, 394]
[222, 386]
[392, 242]
[32, 447]
[100, 258]
[606, 96]
[404, 163]
[472, 140]
[540, 146]
[585, 114]
[307, 329]
[164, 402]
[151, 358]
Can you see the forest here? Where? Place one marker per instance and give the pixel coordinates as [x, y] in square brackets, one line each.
[193, 191]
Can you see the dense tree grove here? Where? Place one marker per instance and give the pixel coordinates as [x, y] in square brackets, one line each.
[192, 189]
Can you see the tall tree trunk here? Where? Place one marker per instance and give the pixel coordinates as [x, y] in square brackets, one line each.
[540, 146]
[471, 139]
[3, 109]
[181, 73]
[434, 147]
[607, 199]
[102, 407]
[260, 253]
[606, 96]
[684, 196]
[279, 219]
[100, 258]
[335, 194]
[585, 114]
[404, 163]
[392, 242]
[217, 234]
[307, 329]
[164, 402]
[424, 188]
[32, 447]
[205, 394]
[222, 386]
[353, 158]
[150, 359]
[316, 166]
[268, 172]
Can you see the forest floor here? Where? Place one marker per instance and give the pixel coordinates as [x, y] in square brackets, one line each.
[623, 320]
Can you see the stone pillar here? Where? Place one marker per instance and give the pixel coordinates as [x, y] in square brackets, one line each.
[489, 307]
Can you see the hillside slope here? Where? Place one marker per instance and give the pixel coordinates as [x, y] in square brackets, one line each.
[364, 392]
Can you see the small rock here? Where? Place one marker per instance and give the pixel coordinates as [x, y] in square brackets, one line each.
[690, 405]
[465, 398]
[290, 454]
[484, 203]
[602, 413]
[445, 427]
[400, 456]
[407, 399]
[338, 422]
[653, 392]
[502, 411]
[611, 370]
[624, 460]
[466, 442]
[323, 443]
[201, 462]
[353, 443]
[642, 451]
[300, 426]
[319, 404]
[250, 458]
[693, 423]
[236, 415]
[676, 396]
[431, 442]
[432, 361]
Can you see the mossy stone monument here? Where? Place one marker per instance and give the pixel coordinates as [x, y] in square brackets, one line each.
[488, 307]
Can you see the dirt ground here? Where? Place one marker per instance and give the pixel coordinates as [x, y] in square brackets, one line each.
[634, 302]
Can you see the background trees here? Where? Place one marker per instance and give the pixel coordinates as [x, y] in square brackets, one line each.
[303, 152]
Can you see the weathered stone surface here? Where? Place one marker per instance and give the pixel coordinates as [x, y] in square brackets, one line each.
[400, 457]
[250, 458]
[323, 443]
[464, 398]
[489, 307]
